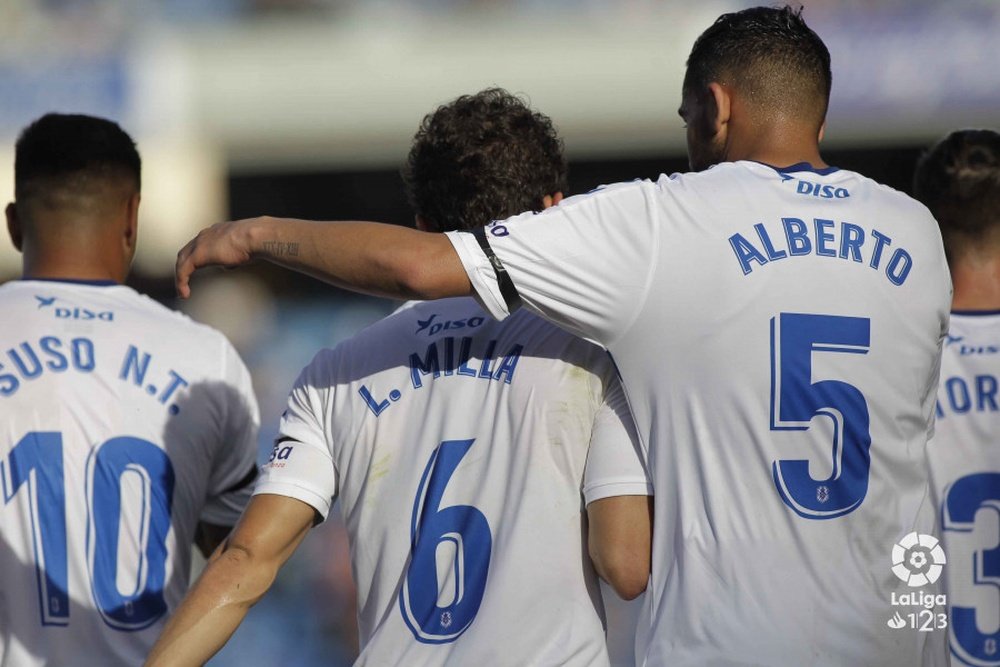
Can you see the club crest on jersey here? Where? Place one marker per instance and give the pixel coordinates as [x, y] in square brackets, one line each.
[74, 312]
[433, 328]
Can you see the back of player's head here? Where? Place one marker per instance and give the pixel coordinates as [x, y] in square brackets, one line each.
[61, 158]
[482, 157]
[768, 54]
[958, 179]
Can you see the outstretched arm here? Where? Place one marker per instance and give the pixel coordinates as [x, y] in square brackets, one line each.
[384, 260]
[240, 571]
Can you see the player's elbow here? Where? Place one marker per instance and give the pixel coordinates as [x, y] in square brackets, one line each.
[627, 574]
[248, 576]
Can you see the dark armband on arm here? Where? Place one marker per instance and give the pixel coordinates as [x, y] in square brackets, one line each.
[506, 285]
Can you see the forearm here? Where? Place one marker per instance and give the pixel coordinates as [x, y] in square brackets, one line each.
[231, 583]
[379, 259]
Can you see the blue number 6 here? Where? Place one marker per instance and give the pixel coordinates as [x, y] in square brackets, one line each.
[795, 400]
[462, 527]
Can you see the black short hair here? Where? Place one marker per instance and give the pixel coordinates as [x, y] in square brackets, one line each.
[771, 56]
[958, 179]
[70, 151]
[482, 157]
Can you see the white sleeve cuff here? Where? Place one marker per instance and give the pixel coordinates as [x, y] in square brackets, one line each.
[481, 274]
[308, 496]
[620, 487]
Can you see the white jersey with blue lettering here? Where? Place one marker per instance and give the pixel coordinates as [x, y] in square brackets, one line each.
[122, 425]
[965, 469]
[462, 451]
[778, 336]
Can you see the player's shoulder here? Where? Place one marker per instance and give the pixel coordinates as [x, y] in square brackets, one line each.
[174, 322]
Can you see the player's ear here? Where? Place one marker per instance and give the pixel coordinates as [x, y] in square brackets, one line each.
[718, 107]
[822, 131]
[131, 231]
[14, 226]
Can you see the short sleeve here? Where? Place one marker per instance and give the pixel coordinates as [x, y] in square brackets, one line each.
[584, 264]
[234, 468]
[300, 464]
[616, 462]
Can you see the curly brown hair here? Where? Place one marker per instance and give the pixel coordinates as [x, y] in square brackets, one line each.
[480, 158]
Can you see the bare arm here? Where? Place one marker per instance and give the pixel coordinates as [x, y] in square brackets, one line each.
[384, 260]
[240, 571]
[620, 542]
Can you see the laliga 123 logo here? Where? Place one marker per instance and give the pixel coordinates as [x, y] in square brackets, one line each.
[918, 559]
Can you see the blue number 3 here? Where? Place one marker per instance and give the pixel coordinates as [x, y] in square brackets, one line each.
[795, 400]
[464, 530]
[41, 453]
[964, 499]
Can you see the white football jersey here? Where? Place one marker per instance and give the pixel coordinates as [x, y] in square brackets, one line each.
[458, 447]
[965, 469]
[778, 336]
[122, 425]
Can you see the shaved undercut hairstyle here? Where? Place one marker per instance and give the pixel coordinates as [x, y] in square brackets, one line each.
[771, 57]
[482, 157]
[62, 155]
[958, 179]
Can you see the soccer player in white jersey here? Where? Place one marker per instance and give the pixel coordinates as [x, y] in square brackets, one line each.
[458, 447]
[777, 323]
[127, 431]
[959, 181]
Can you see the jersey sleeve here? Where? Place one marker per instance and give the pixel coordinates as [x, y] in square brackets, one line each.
[234, 467]
[301, 464]
[616, 462]
[585, 264]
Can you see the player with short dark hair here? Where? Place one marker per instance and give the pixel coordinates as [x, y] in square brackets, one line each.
[127, 432]
[462, 450]
[778, 65]
[777, 324]
[959, 181]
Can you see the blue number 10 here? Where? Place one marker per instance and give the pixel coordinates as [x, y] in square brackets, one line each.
[465, 533]
[36, 462]
[796, 399]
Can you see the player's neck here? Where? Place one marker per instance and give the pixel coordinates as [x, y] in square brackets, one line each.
[775, 145]
[78, 265]
[977, 285]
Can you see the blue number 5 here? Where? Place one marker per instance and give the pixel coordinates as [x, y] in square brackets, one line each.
[796, 399]
[464, 530]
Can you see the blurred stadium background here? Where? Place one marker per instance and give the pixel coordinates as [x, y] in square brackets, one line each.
[306, 108]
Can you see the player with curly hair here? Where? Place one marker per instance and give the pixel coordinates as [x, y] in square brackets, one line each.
[463, 451]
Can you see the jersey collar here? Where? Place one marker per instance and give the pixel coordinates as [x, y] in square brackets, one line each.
[74, 281]
[801, 166]
[976, 313]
